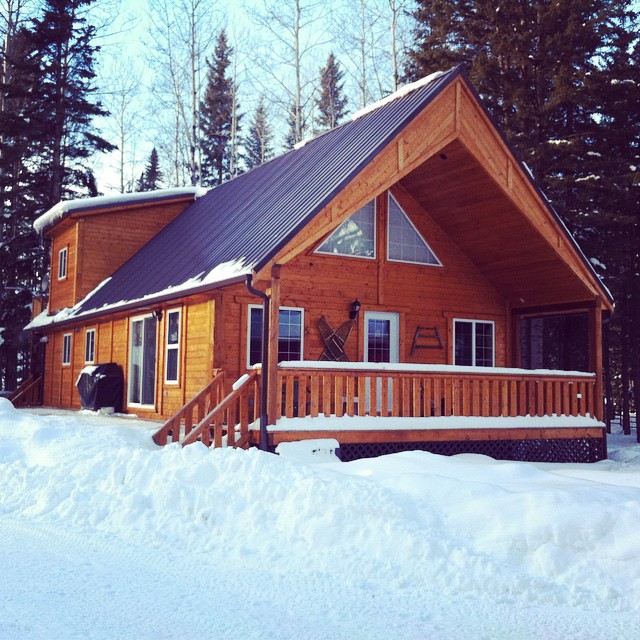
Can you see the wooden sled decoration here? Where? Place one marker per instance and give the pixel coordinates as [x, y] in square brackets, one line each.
[334, 341]
[426, 338]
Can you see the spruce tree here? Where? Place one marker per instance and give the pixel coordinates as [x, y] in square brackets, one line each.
[217, 111]
[259, 141]
[47, 137]
[151, 177]
[332, 102]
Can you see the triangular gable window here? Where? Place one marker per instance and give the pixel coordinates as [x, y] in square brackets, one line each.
[405, 244]
[355, 237]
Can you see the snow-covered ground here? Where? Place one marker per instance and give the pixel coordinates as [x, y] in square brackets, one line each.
[104, 535]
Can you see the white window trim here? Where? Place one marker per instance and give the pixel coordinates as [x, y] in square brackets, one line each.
[86, 344]
[422, 264]
[62, 273]
[474, 321]
[350, 255]
[66, 338]
[173, 347]
[259, 306]
[155, 386]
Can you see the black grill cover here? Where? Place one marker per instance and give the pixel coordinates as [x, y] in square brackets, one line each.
[101, 386]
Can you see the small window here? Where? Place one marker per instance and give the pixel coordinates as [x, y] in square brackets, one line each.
[62, 263]
[474, 343]
[66, 349]
[404, 241]
[291, 323]
[355, 237]
[172, 361]
[90, 346]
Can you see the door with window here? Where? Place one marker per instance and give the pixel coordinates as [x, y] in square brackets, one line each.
[142, 361]
[381, 344]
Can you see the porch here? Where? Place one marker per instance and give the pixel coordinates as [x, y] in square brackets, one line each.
[371, 409]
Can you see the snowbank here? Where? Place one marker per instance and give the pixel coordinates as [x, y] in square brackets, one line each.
[393, 531]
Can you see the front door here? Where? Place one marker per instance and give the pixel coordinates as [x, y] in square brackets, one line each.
[142, 361]
[381, 344]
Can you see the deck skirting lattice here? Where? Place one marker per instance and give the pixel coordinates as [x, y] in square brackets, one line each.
[566, 450]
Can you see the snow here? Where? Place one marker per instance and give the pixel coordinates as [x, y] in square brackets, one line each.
[104, 535]
[427, 368]
[58, 211]
[400, 93]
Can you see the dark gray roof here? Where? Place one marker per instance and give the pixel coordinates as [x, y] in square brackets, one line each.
[243, 223]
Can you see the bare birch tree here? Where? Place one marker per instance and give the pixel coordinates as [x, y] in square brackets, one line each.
[293, 30]
[182, 32]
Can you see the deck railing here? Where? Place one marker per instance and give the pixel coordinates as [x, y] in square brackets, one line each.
[420, 391]
[227, 424]
[180, 425]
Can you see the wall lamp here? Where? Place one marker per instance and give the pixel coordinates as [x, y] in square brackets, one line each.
[157, 314]
[355, 309]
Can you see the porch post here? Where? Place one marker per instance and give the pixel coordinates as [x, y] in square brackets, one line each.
[595, 355]
[274, 332]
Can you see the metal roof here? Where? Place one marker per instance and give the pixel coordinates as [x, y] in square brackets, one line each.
[242, 223]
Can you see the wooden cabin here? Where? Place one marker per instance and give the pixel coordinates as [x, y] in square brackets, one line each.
[401, 277]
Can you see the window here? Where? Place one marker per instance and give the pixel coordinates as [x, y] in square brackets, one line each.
[473, 343]
[404, 241]
[142, 361]
[355, 237]
[62, 263]
[172, 346]
[66, 349]
[90, 346]
[291, 322]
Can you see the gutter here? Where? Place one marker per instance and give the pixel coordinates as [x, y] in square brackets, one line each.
[264, 374]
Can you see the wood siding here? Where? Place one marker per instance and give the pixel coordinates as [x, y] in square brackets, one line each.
[99, 243]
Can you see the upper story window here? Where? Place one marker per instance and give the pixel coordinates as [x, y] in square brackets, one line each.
[404, 242]
[172, 347]
[90, 346]
[474, 343]
[66, 349]
[63, 256]
[290, 334]
[355, 237]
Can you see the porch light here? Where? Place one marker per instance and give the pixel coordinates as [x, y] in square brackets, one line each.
[355, 309]
[157, 314]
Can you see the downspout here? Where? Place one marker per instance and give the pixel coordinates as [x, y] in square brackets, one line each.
[265, 360]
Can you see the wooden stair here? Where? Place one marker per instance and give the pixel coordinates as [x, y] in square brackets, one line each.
[215, 418]
[28, 394]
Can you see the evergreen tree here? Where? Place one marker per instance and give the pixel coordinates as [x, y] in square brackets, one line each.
[218, 110]
[293, 137]
[47, 136]
[151, 177]
[332, 102]
[259, 142]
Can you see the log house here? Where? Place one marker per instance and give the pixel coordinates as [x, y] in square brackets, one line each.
[403, 266]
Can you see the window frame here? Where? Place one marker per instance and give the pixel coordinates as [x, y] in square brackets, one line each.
[437, 263]
[172, 347]
[258, 306]
[319, 251]
[66, 349]
[90, 346]
[474, 322]
[63, 263]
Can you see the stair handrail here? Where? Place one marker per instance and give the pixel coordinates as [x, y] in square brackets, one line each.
[173, 425]
[205, 424]
[18, 396]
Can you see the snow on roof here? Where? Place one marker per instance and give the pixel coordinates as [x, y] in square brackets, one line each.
[57, 212]
[400, 93]
[222, 273]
